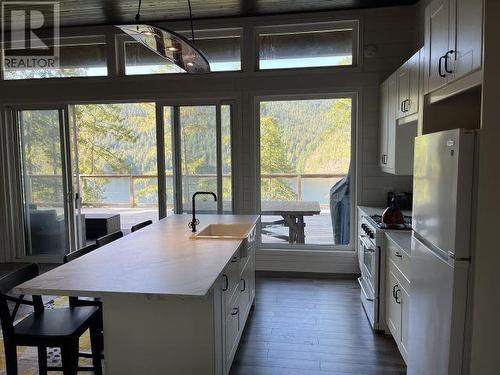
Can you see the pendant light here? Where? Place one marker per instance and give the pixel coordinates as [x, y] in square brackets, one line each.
[168, 44]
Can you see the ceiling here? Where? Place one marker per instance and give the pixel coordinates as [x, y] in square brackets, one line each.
[93, 12]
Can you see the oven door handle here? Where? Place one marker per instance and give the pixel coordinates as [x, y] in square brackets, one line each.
[362, 286]
[367, 246]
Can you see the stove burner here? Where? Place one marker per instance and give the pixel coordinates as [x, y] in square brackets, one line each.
[378, 220]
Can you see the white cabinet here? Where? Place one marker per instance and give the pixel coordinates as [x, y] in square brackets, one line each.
[408, 86]
[396, 141]
[393, 304]
[238, 293]
[397, 297]
[453, 41]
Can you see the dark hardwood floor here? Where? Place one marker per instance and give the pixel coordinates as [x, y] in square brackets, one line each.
[312, 326]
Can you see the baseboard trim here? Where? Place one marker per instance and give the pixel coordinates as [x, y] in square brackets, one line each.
[307, 275]
[328, 262]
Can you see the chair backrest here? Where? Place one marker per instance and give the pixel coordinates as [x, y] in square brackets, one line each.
[8, 282]
[80, 252]
[109, 238]
[141, 225]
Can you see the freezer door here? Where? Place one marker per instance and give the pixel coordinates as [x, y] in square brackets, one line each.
[442, 189]
[438, 295]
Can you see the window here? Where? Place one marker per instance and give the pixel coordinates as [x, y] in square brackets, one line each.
[305, 159]
[79, 57]
[221, 48]
[306, 46]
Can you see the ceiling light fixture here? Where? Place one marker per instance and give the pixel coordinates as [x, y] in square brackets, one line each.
[168, 44]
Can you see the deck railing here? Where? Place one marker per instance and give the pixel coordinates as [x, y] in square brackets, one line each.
[298, 182]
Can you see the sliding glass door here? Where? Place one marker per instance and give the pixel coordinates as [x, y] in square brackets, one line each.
[46, 184]
[116, 172]
[88, 169]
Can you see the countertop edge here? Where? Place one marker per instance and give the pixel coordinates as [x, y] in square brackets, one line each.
[21, 289]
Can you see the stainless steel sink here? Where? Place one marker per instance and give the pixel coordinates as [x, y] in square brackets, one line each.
[224, 231]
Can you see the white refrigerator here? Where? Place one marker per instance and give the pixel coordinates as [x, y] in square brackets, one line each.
[443, 207]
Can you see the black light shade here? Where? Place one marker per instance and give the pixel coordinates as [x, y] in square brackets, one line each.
[169, 45]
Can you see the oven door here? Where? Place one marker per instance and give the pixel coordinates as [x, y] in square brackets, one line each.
[368, 264]
[369, 261]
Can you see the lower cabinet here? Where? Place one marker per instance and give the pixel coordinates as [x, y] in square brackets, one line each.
[397, 297]
[238, 293]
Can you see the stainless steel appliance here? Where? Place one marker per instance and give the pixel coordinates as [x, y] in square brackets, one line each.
[441, 251]
[371, 255]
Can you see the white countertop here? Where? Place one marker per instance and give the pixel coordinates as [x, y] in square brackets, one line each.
[402, 238]
[159, 260]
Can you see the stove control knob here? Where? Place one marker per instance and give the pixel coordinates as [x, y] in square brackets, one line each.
[371, 235]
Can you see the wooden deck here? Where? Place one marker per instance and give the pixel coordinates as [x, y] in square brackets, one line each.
[318, 228]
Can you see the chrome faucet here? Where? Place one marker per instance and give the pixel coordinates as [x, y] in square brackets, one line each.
[194, 222]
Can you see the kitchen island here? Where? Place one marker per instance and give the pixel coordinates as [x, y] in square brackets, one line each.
[172, 304]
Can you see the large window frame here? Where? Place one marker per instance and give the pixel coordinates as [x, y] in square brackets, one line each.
[353, 169]
[309, 28]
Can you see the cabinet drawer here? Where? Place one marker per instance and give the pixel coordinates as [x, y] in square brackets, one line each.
[400, 258]
[231, 278]
[231, 330]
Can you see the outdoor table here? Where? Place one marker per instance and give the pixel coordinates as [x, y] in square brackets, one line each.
[293, 213]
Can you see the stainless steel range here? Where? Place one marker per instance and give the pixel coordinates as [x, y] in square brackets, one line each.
[371, 255]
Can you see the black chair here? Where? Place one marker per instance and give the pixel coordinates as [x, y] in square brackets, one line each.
[104, 240]
[80, 252]
[78, 302]
[46, 328]
[141, 225]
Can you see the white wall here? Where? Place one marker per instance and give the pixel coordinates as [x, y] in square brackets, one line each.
[485, 356]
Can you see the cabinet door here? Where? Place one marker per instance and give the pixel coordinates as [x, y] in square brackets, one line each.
[392, 91]
[414, 86]
[465, 36]
[436, 42]
[403, 88]
[392, 305]
[231, 322]
[405, 315]
[384, 109]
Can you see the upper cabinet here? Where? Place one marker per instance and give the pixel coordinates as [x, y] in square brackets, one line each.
[453, 41]
[408, 82]
[396, 140]
[399, 99]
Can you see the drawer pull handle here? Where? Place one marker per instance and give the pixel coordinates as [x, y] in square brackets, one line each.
[226, 283]
[398, 301]
[244, 285]
[234, 260]
[398, 254]
[235, 311]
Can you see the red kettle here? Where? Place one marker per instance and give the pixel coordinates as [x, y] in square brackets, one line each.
[392, 215]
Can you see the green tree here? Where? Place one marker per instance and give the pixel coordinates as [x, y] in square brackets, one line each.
[100, 130]
[330, 152]
[274, 160]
